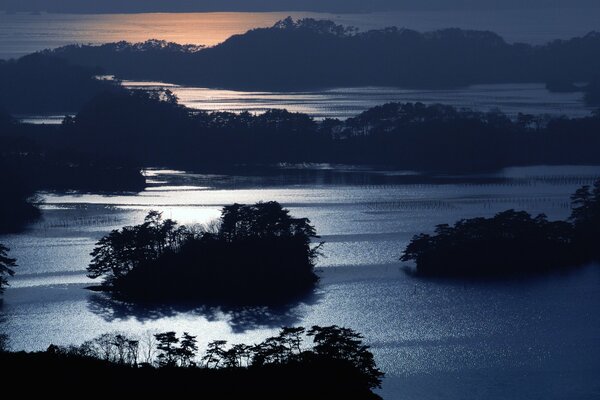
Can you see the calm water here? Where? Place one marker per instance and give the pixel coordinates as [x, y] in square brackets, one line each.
[21, 34]
[435, 339]
[348, 102]
[344, 103]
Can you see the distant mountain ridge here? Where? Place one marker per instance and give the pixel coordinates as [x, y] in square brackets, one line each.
[312, 54]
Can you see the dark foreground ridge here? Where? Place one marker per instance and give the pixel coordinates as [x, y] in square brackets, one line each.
[335, 365]
[314, 54]
[255, 254]
[511, 243]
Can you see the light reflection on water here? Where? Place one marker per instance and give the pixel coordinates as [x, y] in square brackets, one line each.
[348, 102]
[343, 103]
[426, 334]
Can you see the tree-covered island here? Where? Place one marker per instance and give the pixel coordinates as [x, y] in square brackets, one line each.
[254, 254]
[511, 243]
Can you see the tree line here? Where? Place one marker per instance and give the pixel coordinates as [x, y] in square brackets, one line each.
[152, 129]
[323, 362]
[168, 350]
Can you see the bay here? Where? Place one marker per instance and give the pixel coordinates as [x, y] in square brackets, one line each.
[517, 339]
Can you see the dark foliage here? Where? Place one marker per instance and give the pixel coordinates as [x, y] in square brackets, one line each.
[511, 242]
[258, 254]
[41, 83]
[336, 365]
[409, 136]
[6, 269]
[40, 157]
[18, 203]
[151, 129]
[312, 54]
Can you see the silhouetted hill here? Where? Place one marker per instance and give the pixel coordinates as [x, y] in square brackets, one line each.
[44, 83]
[315, 54]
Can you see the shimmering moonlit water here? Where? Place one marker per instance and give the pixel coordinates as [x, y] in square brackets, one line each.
[435, 339]
[342, 103]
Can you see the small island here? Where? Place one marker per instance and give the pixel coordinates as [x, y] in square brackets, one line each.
[254, 254]
[511, 243]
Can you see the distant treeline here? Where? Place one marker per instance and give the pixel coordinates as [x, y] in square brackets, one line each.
[309, 54]
[151, 129]
[511, 242]
[334, 364]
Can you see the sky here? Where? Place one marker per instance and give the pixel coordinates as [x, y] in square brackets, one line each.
[128, 6]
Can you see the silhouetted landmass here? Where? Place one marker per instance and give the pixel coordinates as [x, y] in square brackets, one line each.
[511, 242]
[142, 128]
[17, 202]
[309, 54]
[41, 83]
[37, 157]
[335, 365]
[258, 254]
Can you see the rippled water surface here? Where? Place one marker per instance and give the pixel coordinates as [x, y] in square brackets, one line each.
[435, 339]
